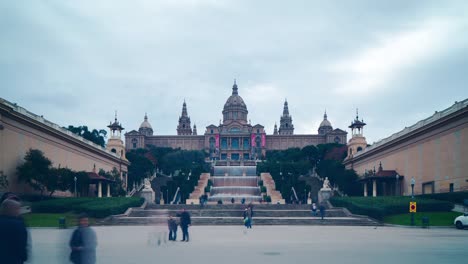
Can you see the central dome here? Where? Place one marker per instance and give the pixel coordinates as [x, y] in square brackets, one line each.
[235, 108]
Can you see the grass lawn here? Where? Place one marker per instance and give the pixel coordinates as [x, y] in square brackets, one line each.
[435, 218]
[50, 220]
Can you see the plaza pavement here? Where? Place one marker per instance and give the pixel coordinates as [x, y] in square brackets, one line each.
[262, 244]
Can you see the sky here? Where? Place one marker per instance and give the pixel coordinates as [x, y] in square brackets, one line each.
[77, 62]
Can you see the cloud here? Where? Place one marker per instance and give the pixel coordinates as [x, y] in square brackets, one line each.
[371, 70]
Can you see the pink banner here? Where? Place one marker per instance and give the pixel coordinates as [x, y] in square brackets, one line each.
[263, 140]
[217, 140]
[252, 140]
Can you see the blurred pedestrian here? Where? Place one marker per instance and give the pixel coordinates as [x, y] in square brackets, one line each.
[13, 233]
[172, 225]
[185, 222]
[314, 209]
[83, 242]
[322, 210]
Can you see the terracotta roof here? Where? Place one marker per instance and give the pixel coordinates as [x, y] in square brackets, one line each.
[96, 177]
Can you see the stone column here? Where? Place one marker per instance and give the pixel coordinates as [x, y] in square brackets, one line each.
[108, 190]
[99, 189]
[365, 189]
[374, 188]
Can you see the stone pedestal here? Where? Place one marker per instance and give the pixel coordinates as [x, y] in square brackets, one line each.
[324, 195]
[148, 194]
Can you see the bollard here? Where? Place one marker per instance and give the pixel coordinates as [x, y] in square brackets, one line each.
[62, 223]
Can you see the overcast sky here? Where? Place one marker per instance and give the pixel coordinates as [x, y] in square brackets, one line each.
[76, 62]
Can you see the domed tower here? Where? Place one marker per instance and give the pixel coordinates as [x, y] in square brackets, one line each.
[145, 127]
[184, 128]
[115, 143]
[286, 126]
[357, 142]
[325, 126]
[235, 108]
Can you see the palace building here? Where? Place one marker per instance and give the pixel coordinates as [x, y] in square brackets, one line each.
[235, 138]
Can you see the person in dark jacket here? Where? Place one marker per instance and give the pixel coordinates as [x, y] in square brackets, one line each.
[172, 225]
[83, 243]
[13, 234]
[185, 222]
[322, 210]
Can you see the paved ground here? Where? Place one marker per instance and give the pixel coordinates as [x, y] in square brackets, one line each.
[262, 244]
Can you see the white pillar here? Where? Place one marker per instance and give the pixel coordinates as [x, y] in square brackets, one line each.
[108, 190]
[374, 188]
[365, 189]
[99, 189]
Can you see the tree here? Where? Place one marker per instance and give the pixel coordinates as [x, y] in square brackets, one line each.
[96, 136]
[36, 171]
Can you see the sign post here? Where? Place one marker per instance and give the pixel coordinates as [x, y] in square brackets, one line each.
[412, 210]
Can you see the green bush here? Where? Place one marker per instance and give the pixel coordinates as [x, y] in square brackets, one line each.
[268, 199]
[454, 197]
[379, 207]
[263, 189]
[260, 183]
[58, 205]
[95, 207]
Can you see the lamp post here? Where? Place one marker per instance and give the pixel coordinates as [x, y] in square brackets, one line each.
[75, 184]
[413, 181]
[396, 184]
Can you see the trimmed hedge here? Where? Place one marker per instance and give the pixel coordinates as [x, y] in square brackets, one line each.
[95, 207]
[454, 197]
[379, 207]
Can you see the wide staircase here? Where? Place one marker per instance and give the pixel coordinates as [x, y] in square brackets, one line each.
[240, 183]
[231, 214]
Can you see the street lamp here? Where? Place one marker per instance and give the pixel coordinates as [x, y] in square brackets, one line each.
[396, 185]
[75, 184]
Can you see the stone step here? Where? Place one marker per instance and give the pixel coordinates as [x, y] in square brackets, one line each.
[235, 213]
[192, 207]
[342, 221]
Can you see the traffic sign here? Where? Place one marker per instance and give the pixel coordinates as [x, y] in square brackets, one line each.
[412, 207]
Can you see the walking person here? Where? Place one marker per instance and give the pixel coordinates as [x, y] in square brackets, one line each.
[83, 242]
[172, 225]
[322, 210]
[13, 233]
[314, 209]
[247, 215]
[185, 222]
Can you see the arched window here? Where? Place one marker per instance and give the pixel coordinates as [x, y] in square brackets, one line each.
[134, 142]
[286, 124]
[359, 149]
[337, 139]
[183, 126]
[113, 150]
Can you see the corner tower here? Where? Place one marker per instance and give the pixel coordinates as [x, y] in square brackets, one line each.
[145, 127]
[357, 142]
[115, 143]
[325, 126]
[286, 125]
[184, 128]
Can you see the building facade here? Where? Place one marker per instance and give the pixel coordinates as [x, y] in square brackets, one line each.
[433, 154]
[235, 138]
[21, 130]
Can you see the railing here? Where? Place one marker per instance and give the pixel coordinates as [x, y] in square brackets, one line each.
[176, 196]
[295, 194]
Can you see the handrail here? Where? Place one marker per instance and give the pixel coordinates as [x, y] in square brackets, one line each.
[295, 195]
[176, 196]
